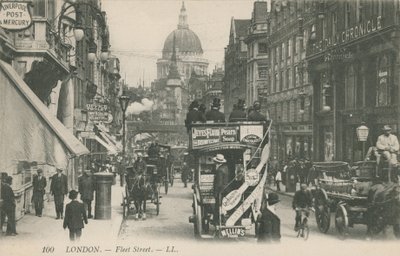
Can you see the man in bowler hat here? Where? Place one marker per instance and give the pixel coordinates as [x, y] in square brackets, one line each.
[214, 114]
[7, 194]
[39, 189]
[269, 224]
[75, 216]
[86, 187]
[58, 189]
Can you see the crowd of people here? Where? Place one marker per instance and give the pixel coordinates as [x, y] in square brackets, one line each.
[197, 113]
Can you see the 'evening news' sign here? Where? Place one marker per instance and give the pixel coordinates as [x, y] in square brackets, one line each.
[15, 15]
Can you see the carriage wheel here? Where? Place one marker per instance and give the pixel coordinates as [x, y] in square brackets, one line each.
[198, 221]
[157, 203]
[342, 221]
[322, 211]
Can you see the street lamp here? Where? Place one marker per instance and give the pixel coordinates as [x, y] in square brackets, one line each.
[124, 102]
[362, 135]
[79, 28]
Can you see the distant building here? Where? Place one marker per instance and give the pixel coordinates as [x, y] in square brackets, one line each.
[235, 64]
[257, 53]
[214, 87]
[188, 48]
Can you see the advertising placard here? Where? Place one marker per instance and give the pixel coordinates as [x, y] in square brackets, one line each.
[14, 15]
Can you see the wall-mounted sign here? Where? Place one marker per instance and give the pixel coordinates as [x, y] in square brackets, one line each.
[99, 112]
[360, 30]
[15, 15]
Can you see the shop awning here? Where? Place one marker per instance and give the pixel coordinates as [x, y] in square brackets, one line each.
[28, 130]
[111, 150]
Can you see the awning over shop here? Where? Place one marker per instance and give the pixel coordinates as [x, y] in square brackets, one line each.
[28, 130]
[104, 132]
[111, 150]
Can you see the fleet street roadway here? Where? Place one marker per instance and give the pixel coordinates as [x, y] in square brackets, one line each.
[172, 225]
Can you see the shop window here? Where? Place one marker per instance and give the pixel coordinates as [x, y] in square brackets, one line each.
[262, 48]
[334, 23]
[383, 87]
[350, 85]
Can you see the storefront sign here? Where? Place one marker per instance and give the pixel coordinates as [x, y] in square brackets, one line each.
[229, 134]
[15, 15]
[99, 112]
[350, 34]
[205, 136]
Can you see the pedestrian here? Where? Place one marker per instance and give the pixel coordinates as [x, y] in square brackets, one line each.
[59, 188]
[86, 188]
[7, 194]
[185, 174]
[221, 180]
[214, 114]
[39, 184]
[278, 180]
[75, 216]
[269, 224]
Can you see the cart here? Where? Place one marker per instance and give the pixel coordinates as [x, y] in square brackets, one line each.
[245, 147]
[350, 193]
[150, 191]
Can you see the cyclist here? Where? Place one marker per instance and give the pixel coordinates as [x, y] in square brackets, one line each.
[302, 201]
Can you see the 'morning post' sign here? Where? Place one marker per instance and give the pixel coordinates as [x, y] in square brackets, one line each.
[15, 15]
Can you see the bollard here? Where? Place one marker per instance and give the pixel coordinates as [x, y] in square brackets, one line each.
[104, 181]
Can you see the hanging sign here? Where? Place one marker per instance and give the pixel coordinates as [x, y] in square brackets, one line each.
[15, 15]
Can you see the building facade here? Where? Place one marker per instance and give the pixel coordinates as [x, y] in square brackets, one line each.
[289, 93]
[235, 64]
[214, 87]
[257, 54]
[354, 67]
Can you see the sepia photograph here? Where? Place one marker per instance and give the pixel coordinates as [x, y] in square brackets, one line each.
[199, 127]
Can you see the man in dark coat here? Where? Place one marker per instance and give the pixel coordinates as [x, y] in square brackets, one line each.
[39, 189]
[59, 188]
[214, 114]
[194, 115]
[302, 200]
[75, 215]
[221, 180]
[7, 194]
[256, 115]
[269, 224]
[238, 114]
[86, 187]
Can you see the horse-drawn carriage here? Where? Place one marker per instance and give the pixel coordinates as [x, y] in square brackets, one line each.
[245, 148]
[356, 196]
[140, 188]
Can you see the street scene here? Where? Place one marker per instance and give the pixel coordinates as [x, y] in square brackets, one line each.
[170, 127]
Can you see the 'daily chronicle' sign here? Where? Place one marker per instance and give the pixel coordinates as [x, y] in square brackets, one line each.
[15, 15]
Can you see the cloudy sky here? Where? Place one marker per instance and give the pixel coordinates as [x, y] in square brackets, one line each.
[138, 29]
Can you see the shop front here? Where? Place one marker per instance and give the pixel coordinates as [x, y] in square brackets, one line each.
[31, 138]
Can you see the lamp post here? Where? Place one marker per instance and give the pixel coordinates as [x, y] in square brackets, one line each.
[124, 102]
[362, 135]
[79, 28]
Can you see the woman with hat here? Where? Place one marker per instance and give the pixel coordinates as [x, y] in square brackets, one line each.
[388, 145]
[75, 215]
[269, 224]
[221, 180]
[214, 114]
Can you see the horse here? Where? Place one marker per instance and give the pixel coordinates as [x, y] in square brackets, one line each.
[139, 193]
[384, 208]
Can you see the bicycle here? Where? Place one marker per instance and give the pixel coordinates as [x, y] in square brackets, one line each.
[304, 230]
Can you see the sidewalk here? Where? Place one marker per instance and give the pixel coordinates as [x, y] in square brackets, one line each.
[48, 229]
